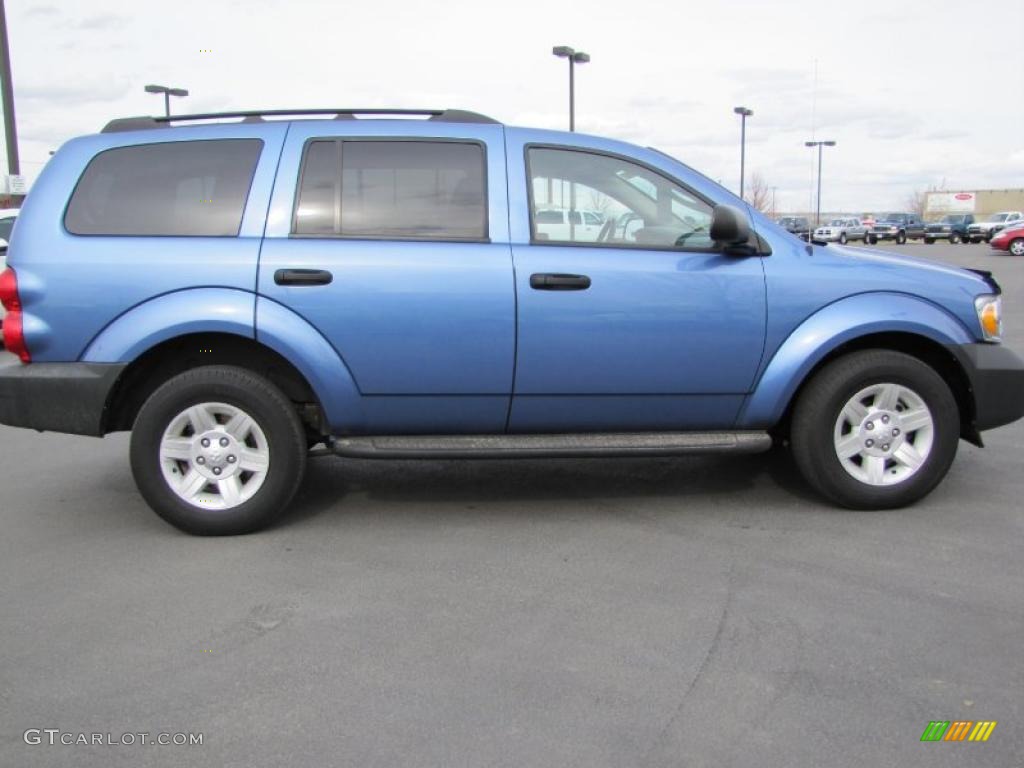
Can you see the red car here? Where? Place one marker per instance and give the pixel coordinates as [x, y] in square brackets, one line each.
[1010, 239]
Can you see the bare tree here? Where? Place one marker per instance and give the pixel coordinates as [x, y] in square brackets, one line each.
[759, 194]
[917, 199]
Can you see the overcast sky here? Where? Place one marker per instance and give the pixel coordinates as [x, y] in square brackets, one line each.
[915, 93]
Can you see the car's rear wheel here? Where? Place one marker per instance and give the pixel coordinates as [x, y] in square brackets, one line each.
[901, 238]
[842, 238]
[218, 450]
[875, 429]
[1017, 246]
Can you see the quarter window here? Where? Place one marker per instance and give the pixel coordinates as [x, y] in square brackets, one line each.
[185, 188]
[612, 201]
[419, 190]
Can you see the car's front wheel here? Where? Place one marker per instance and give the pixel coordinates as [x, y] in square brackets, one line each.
[842, 238]
[901, 238]
[954, 238]
[875, 429]
[218, 450]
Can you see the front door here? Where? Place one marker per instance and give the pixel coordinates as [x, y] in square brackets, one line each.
[644, 325]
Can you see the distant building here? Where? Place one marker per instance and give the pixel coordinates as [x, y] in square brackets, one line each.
[981, 202]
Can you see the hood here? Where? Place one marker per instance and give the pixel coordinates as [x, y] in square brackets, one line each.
[900, 262]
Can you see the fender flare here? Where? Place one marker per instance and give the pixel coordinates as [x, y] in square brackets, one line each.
[829, 328]
[228, 310]
[196, 310]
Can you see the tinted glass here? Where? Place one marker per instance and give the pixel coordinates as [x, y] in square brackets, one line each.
[320, 190]
[6, 225]
[181, 188]
[643, 208]
[413, 189]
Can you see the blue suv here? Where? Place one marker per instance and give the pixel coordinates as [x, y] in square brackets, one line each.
[236, 293]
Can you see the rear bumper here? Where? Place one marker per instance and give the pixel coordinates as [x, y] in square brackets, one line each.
[57, 397]
[996, 376]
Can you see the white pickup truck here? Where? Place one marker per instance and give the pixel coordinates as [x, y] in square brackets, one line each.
[984, 230]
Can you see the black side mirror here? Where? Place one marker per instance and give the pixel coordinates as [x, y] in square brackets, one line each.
[729, 226]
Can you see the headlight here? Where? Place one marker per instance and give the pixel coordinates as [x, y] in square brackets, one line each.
[990, 316]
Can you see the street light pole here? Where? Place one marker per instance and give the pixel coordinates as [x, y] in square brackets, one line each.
[10, 124]
[744, 113]
[574, 57]
[167, 92]
[819, 145]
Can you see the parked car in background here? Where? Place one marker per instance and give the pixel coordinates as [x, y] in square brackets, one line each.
[952, 227]
[841, 231]
[797, 225]
[1010, 239]
[385, 287]
[898, 227]
[984, 230]
[559, 223]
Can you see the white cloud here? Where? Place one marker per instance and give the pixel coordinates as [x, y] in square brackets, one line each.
[663, 73]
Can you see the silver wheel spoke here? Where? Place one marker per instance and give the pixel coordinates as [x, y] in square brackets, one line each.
[230, 490]
[239, 426]
[875, 467]
[915, 419]
[177, 448]
[253, 461]
[888, 397]
[192, 484]
[201, 419]
[855, 412]
[907, 455]
[849, 446]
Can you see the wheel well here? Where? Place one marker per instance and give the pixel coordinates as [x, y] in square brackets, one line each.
[167, 359]
[929, 352]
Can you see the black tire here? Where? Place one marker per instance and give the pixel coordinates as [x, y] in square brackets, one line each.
[819, 407]
[929, 240]
[870, 239]
[975, 240]
[901, 238]
[842, 238]
[270, 410]
[1016, 247]
[954, 238]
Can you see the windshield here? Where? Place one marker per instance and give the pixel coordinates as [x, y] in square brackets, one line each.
[837, 223]
[998, 217]
[953, 220]
[890, 217]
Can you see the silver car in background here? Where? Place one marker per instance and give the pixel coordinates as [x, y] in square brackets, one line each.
[841, 230]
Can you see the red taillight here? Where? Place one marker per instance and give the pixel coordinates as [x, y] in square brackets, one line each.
[14, 337]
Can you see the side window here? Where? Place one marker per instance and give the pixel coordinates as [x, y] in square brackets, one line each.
[182, 188]
[6, 225]
[626, 204]
[416, 190]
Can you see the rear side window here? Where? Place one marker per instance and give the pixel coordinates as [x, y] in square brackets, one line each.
[402, 190]
[183, 188]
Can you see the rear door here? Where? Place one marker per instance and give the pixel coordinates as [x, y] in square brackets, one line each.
[407, 224]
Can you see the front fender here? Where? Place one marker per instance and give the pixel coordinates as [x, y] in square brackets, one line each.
[833, 326]
[197, 310]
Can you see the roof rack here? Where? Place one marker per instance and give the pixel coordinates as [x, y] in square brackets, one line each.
[143, 123]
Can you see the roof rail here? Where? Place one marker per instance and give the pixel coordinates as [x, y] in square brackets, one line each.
[144, 123]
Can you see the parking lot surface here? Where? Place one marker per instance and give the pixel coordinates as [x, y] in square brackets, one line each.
[703, 611]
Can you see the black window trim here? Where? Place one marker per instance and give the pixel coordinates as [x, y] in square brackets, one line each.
[341, 141]
[615, 156]
[245, 203]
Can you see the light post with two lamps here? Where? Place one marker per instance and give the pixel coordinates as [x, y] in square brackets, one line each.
[575, 57]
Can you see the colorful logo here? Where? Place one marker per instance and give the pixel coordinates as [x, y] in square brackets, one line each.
[958, 730]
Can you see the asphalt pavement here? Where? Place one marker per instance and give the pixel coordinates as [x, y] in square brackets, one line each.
[703, 611]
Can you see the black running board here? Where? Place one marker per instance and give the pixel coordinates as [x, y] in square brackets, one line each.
[549, 446]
